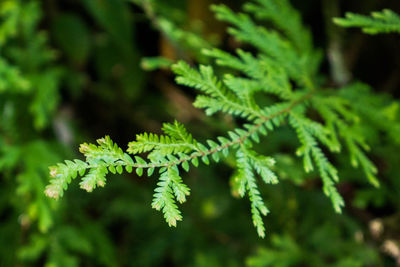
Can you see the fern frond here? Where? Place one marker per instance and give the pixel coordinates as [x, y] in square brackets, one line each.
[283, 70]
[329, 176]
[312, 152]
[285, 17]
[340, 118]
[62, 174]
[162, 144]
[247, 31]
[180, 189]
[177, 140]
[385, 21]
[298, 65]
[95, 177]
[170, 184]
[245, 177]
[265, 74]
[99, 159]
[205, 81]
[354, 141]
[262, 165]
[178, 131]
[268, 42]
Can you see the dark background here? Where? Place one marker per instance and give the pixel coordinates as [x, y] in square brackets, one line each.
[103, 90]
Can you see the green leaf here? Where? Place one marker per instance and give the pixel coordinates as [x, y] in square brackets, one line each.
[139, 171]
[150, 171]
[128, 168]
[185, 166]
[195, 162]
[112, 169]
[119, 169]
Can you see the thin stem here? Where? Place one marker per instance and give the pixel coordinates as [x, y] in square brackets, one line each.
[219, 148]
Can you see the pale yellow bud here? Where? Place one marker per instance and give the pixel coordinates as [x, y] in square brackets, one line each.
[83, 148]
[51, 192]
[87, 187]
[53, 171]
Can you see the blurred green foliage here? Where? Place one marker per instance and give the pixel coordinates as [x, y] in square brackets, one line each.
[70, 71]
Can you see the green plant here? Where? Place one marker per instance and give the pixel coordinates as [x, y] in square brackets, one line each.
[277, 86]
[29, 96]
[384, 21]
